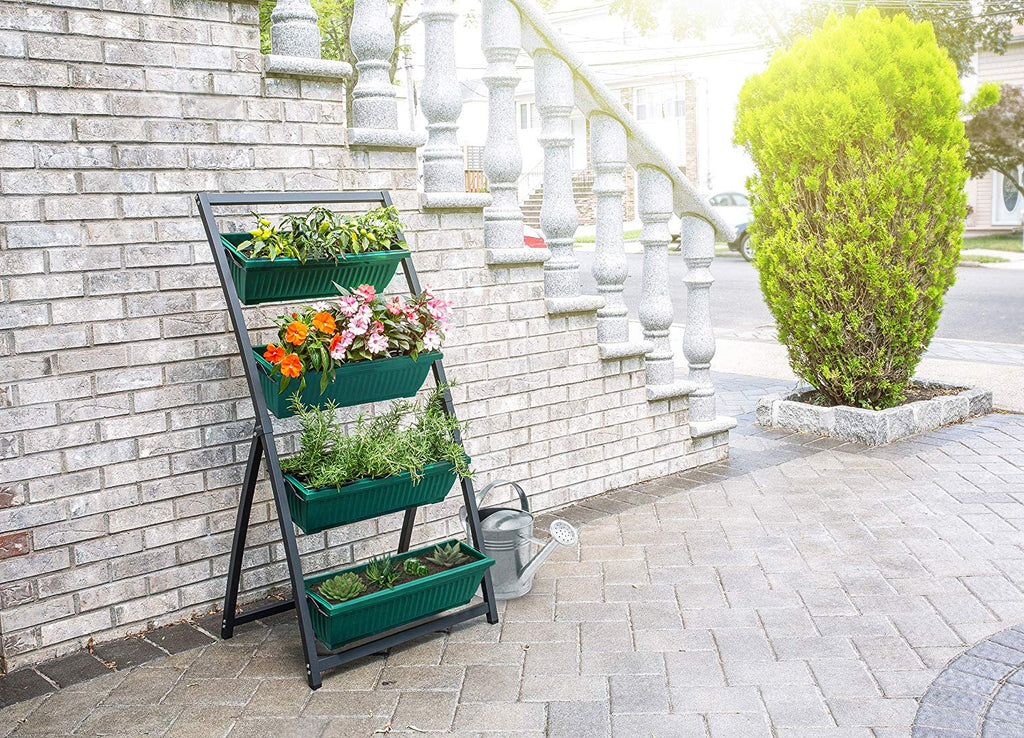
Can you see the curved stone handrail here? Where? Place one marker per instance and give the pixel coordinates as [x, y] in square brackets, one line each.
[593, 96]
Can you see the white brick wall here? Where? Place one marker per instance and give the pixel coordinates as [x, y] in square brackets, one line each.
[124, 419]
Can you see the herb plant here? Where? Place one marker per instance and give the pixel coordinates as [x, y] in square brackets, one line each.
[448, 556]
[323, 234]
[405, 438]
[343, 587]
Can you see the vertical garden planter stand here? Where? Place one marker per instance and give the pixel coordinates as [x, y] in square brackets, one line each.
[262, 448]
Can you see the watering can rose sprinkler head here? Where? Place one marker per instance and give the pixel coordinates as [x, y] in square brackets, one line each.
[507, 535]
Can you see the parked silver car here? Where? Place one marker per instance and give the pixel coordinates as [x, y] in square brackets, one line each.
[735, 210]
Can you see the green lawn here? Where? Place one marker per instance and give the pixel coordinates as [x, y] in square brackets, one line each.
[983, 259]
[1011, 242]
[626, 236]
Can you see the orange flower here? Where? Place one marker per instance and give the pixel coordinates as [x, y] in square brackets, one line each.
[324, 322]
[273, 354]
[291, 365]
[334, 342]
[296, 333]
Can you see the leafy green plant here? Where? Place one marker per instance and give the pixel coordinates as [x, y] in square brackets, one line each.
[323, 234]
[858, 200]
[448, 556]
[343, 587]
[383, 571]
[415, 568]
[404, 438]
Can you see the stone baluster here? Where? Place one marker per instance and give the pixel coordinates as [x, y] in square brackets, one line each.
[373, 43]
[444, 171]
[608, 157]
[374, 107]
[501, 37]
[293, 30]
[654, 197]
[558, 219]
[698, 243]
[295, 44]
[441, 100]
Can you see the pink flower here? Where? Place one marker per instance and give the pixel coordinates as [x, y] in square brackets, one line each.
[366, 292]
[378, 327]
[438, 309]
[431, 340]
[377, 343]
[358, 326]
[344, 341]
[364, 313]
[413, 317]
[348, 305]
[396, 306]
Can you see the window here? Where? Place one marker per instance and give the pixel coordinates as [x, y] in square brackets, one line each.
[1007, 202]
[660, 102]
[527, 115]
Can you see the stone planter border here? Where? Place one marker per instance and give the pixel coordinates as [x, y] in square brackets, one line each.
[871, 427]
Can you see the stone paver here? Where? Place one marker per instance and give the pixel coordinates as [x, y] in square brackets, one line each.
[803, 588]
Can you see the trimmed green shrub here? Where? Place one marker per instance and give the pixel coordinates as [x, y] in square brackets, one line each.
[858, 199]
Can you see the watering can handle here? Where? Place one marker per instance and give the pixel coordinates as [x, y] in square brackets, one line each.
[500, 483]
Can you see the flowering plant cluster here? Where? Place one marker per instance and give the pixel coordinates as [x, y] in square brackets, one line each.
[358, 326]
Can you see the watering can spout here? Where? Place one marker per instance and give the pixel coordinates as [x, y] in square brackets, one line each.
[562, 534]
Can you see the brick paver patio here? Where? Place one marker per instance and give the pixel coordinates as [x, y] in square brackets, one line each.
[804, 588]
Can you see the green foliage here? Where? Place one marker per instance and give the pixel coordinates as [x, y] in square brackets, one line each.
[858, 199]
[448, 556]
[415, 568]
[378, 447]
[324, 234]
[994, 132]
[383, 571]
[988, 94]
[343, 587]
[961, 27]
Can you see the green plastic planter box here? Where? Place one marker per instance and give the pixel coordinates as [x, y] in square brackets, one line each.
[315, 510]
[344, 622]
[285, 279]
[354, 383]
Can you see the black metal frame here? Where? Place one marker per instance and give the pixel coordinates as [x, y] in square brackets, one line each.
[262, 448]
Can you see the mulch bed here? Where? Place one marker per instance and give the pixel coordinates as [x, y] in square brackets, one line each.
[916, 391]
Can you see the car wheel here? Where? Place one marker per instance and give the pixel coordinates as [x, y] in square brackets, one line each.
[747, 248]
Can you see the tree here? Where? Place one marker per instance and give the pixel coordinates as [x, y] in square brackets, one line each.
[858, 200]
[995, 133]
[334, 17]
[962, 27]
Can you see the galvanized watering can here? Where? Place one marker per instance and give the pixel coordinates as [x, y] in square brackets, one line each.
[508, 538]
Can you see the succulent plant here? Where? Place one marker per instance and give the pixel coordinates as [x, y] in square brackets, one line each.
[448, 556]
[415, 568]
[343, 587]
[383, 571]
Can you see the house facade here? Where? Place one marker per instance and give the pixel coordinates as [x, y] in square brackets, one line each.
[996, 204]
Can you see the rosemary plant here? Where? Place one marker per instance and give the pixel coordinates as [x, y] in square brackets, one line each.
[405, 438]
